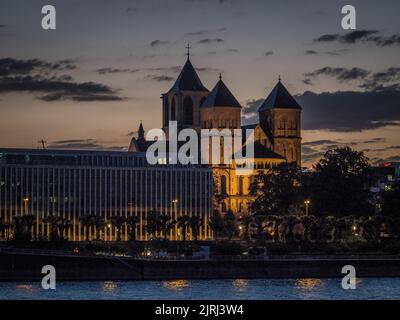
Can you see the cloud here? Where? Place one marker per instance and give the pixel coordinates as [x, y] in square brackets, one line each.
[204, 31]
[43, 78]
[371, 36]
[318, 143]
[342, 111]
[310, 52]
[268, 53]
[132, 10]
[341, 74]
[160, 78]
[210, 40]
[104, 71]
[156, 43]
[350, 110]
[83, 144]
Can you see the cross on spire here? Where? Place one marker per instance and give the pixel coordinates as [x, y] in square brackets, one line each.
[279, 78]
[188, 47]
[220, 76]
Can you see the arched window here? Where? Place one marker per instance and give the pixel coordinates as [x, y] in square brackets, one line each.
[173, 110]
[188, 110]
[240, 185]
[165, 111]
[223, 185]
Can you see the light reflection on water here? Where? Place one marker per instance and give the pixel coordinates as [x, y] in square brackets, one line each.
[275, 289]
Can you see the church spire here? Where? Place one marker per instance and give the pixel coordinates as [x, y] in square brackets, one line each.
[188, 47]
[141, 131]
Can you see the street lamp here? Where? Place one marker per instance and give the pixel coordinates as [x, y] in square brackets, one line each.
[26, 200]
[307, 204]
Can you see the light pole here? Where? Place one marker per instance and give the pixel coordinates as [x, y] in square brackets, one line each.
[175, 213]
[307, 204]
[26, 201]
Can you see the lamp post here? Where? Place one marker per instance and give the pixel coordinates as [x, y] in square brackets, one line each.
[307, 204]
[26, 201]
[175, 213]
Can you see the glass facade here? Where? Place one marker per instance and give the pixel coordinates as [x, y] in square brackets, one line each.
[74, 184]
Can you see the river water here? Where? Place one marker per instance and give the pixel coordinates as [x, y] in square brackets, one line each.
[367, 288]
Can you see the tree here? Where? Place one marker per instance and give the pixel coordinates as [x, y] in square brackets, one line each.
[132, 222]
[3, 228]
[340, 185]
[87, 222]
[216, 224]
[63, 226]
[183, 223]
[391, 201]
[246, 221]
[229, 224]
[99, 223]
[52, 221]
[118, 222]
[277, 191]
[166, 224]
[153, 223]
[195, 223]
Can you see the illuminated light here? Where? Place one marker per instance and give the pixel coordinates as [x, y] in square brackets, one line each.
[240, 284]
[109, 225]
[177, 284]
[308, 284]
[109, 285]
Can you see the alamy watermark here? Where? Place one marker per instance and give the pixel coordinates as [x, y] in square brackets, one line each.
[226, 146]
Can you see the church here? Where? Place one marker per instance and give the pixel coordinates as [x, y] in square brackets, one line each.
[277, 134]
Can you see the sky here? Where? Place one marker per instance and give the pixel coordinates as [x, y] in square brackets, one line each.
[90, 82]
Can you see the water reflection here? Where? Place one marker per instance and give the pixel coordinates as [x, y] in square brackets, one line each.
[308, 284]
[176, 284]
[109, 286]
[240, 284]
[26, 288]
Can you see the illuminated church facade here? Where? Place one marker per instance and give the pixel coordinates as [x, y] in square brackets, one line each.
[277, 134]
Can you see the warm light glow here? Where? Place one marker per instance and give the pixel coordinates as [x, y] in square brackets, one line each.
[307, 201]
[308, 284]
[109, 225]
[177, 284]
[175, 201]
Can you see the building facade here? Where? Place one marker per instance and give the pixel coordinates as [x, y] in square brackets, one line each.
[74, 184]
[277, 133]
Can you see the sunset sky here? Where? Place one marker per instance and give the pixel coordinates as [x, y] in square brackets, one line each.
[90, 82]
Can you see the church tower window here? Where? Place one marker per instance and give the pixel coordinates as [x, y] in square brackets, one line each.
[188, 110]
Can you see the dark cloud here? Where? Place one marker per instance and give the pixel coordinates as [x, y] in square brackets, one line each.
[132, 10]
[41, 77]
[204, 31]
[374, 140]
[15, 67]
[381, 79]
[103, 71]
[310, 52]
[341, 74]
[345, 111]
[318, 143]
[350, 110]
[268, 53]
[83, 144]
[210, 40]
[371, 36]
[156, 43]
[160, 78]
[307, 82]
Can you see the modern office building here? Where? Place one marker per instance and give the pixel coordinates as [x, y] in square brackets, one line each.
[73, 184]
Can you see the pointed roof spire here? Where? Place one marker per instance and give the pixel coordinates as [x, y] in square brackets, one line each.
[141, 131]
[279, 98]
[188, 47]
[188, 80]
[220, 76]
[221, 96]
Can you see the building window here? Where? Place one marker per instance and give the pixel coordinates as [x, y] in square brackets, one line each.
[223, 185]
[188, 110]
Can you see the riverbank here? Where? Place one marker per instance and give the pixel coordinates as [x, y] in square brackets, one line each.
[27, 267]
